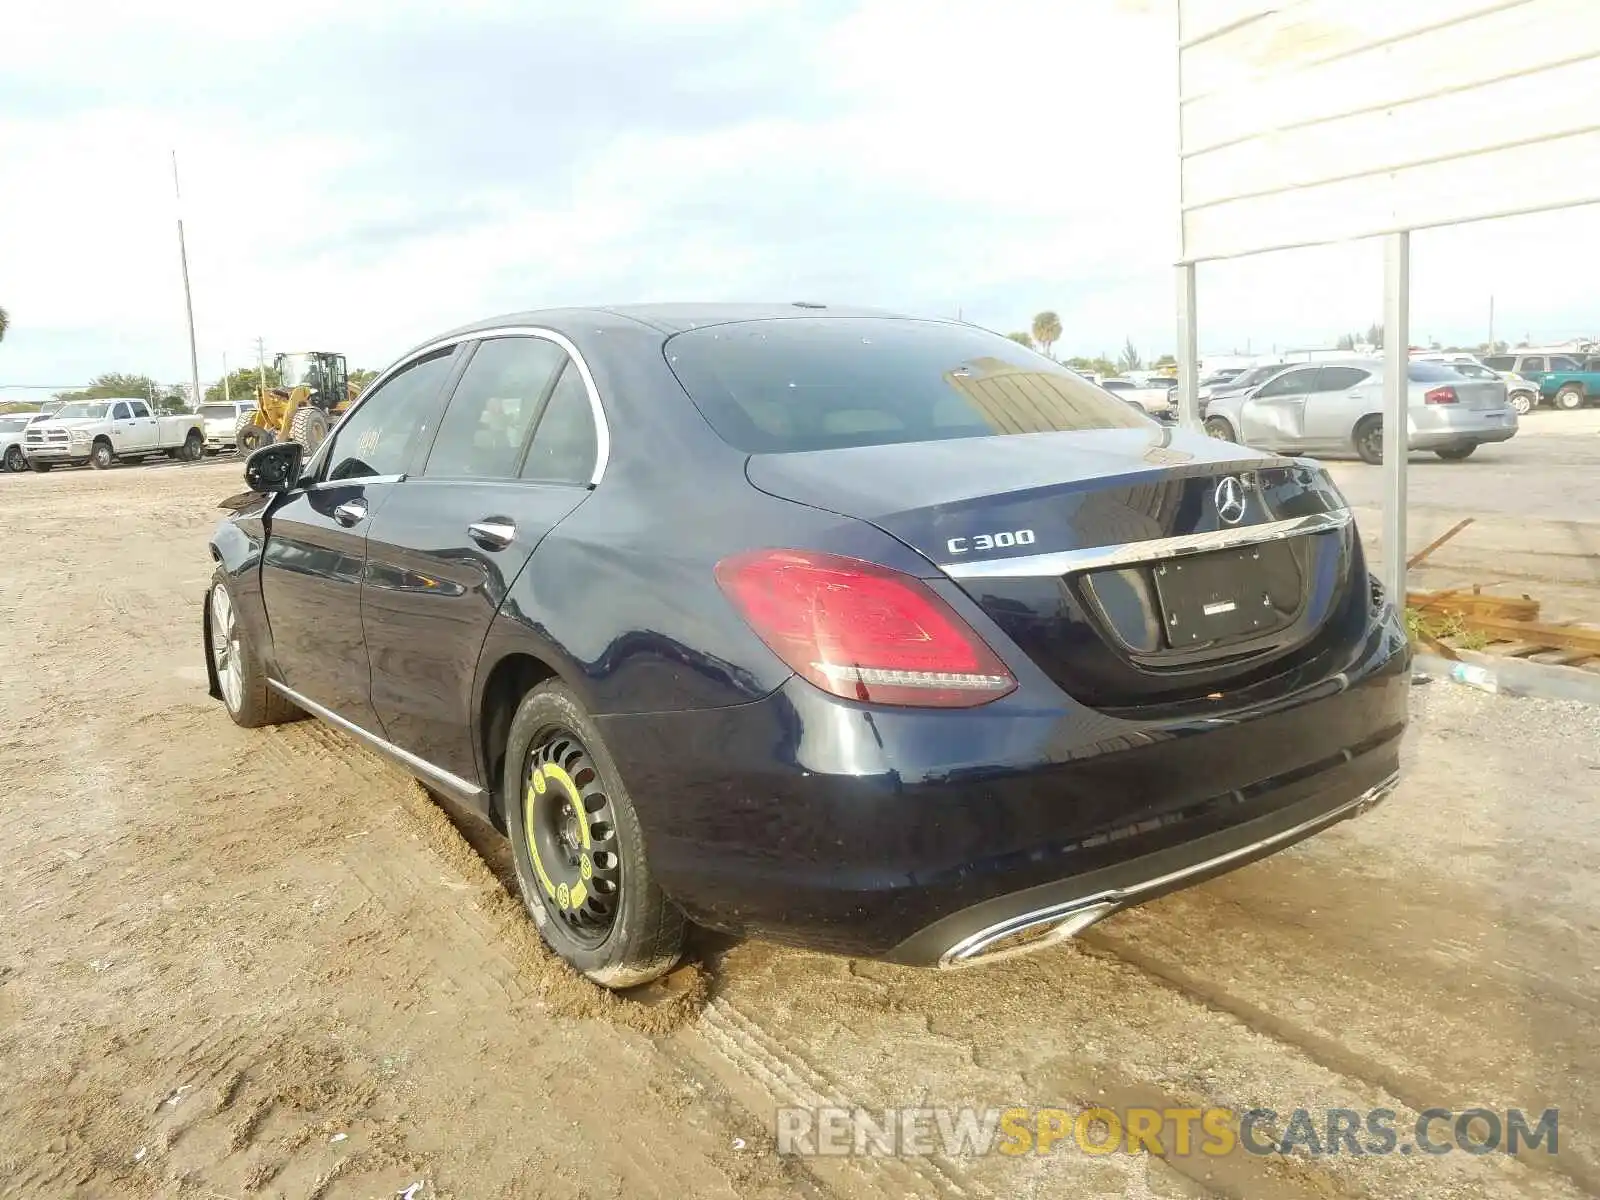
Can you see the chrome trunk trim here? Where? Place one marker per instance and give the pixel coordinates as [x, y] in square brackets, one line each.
[1095, 558]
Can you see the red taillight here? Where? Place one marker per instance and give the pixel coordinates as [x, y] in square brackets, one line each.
[1440, 395]
[862, 631]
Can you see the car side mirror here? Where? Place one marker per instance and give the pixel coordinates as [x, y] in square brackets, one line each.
[274, 468]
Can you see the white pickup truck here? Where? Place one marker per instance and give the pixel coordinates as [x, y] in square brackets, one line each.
[100, 432]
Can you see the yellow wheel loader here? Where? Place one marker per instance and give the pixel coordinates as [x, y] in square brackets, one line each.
[314, 388]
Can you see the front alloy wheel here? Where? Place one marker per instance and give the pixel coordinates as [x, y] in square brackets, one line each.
[225, 650]
[236, 674]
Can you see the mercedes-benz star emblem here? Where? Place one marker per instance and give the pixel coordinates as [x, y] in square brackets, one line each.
[1230, 499]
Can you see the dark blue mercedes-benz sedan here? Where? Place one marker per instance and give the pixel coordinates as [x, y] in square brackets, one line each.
[879, 635]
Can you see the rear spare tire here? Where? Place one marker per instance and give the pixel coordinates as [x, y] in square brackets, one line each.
[579, 849]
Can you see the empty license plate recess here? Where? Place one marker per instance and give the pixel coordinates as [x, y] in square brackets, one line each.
[1228, 595]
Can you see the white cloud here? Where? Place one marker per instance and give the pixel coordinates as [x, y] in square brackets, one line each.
[355, 179]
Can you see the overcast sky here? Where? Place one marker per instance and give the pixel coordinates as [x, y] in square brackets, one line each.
[358, 174]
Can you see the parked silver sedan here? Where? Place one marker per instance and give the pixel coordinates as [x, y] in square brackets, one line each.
[1337, 407]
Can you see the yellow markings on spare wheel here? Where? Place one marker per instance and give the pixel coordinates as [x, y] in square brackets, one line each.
[556, 775]
[536, 788]
[586, 867]
[578, 895]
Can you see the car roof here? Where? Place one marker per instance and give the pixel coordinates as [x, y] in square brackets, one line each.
[670, 318]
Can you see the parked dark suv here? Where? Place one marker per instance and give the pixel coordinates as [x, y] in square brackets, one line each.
[879, 635]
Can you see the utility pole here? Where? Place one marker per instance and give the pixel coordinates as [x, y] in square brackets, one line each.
[261, 362]
[227, 391]
[188, 302]
[1491, 323]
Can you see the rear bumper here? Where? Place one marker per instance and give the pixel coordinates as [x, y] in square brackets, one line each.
[1462, 430]
[1028, 920]
[910, 835]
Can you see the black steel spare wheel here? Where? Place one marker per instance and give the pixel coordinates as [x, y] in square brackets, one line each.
[571, 835]
[579, 848]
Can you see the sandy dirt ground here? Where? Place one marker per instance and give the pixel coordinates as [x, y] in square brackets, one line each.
[239, 964]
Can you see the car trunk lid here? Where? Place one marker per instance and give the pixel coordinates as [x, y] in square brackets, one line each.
[1134, 567]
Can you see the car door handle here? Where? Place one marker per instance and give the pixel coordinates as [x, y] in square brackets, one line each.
[351, 512]
[493, 533]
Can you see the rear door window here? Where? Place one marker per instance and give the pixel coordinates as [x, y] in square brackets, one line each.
[1533, 364]
[566, 444]
[484, 432]
[1340, 379]
[819, 383]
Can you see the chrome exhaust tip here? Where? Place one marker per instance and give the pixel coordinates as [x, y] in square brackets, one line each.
[1026, 933]
[1042, 927]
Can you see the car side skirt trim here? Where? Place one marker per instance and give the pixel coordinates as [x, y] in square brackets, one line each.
[457, 788]
[1095, 558]
[1061, 921]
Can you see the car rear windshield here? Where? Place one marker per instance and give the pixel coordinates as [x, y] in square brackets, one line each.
[1428, 372]
[773, 387]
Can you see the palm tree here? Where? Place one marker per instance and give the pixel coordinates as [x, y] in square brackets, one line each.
[1022, 339]
[1046, 330]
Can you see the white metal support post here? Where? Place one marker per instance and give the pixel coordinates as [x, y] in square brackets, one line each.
[188, 304]
[1188, 350]
[1396, 390]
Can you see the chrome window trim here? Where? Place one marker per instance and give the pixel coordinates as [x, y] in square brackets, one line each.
[460, 789]
[323, 485]
[602, 430]
[1095, 558]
